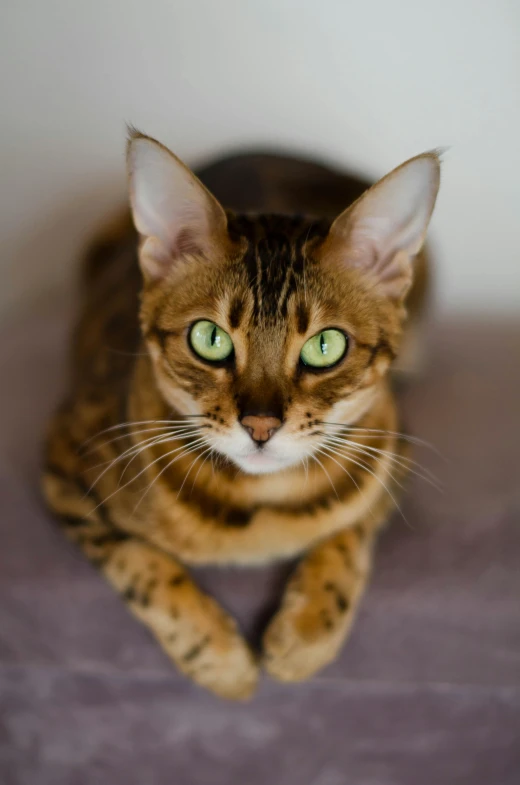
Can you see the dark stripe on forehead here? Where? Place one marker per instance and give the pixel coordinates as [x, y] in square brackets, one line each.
[236, 311]
[302, 318]
[274, 257]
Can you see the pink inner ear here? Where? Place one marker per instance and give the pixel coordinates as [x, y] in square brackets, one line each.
[187, 242]
[385, 229]
[170, 206]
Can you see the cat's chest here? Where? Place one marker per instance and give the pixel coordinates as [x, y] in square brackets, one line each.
[201, 529]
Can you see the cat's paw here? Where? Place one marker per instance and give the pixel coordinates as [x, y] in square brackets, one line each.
[301, 641]
[231, 673]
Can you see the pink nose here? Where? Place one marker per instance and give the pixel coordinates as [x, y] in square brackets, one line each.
[259, 427]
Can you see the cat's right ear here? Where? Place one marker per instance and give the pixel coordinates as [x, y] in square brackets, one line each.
[172, 211]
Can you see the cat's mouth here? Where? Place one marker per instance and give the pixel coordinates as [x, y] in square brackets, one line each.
[277, 454]
[259, 459]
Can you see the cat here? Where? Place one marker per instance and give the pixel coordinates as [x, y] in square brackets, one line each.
[230, 400]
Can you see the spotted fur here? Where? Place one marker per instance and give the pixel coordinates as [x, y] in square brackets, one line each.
[142, 517]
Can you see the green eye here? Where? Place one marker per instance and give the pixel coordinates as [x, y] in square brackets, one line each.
[324, 349]
[210, 341]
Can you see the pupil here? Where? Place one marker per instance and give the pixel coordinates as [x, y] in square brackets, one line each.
[213, 336]
[323, 344]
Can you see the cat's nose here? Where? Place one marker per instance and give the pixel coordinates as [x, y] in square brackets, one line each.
[260, 427]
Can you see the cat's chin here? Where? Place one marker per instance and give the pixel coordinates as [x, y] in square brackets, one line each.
[260, 463]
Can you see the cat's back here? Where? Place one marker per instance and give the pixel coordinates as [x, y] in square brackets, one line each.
[275, 183]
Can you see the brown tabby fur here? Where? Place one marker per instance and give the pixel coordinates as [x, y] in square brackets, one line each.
[142, 520]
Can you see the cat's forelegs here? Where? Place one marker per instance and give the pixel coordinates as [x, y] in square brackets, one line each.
[202, 640]
[195, 632]
[319, 605]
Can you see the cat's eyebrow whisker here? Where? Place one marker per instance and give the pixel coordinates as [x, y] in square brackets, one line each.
[400, 460]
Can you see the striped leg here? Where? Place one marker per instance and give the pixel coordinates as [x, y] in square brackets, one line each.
[201, 639]
[319, 605]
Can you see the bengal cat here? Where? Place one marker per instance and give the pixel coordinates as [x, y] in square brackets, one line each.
[230, 400]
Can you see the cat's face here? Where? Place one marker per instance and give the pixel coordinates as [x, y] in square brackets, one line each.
[270, 329]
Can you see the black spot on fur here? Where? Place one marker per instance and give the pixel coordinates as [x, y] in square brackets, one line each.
[130, 594]
[75, 520]
[326, 620]
[342, 603]
[237, 517]
[359, 531]
[196, 650]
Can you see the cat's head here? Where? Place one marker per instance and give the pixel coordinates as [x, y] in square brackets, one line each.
[271, 326]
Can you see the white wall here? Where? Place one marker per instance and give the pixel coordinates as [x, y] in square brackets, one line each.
[366, 84]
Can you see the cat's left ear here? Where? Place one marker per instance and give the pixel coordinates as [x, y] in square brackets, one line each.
[175, 214]
[385, 228]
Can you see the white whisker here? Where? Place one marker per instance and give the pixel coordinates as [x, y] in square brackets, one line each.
[192, 464]
[400, 460]
[210, 455]
[367, 469]
[191, 448]
[134, 448]
[363, 462]
[130, 423]
[195, 445]
[326, 473]
[376, 431]
[154, 443]
[159, 429]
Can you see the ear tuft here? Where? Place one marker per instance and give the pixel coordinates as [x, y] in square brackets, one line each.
[171, 208]
[382, 232]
